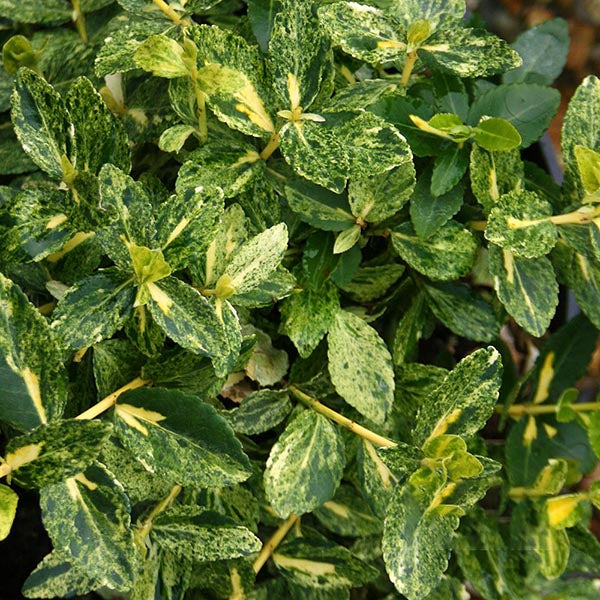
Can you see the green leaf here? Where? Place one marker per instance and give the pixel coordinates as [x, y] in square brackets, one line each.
[552, 546]
[376, 199]
[163, 57]
[580, 128]
[13, 160]
[348, 514]
[519, 222]
[360, 366]
[202, 535]
[362, 94]
[448, 169]
[55, 576]
[98, 137]
[267, 365]
[588, 165]
[465, 399]
[437, 12]
[363, 31]
[190, 320]
[526, 287]
[29, 11]
[32, 376]
[448, 254]
[41, 122]
[318, 563]
[427, 212]
[543, 49]
[496, 134]
[463, 311]
[8, 510]
[307, 315]
[527, 106]
[94, 308]
[255, 260]
[417, 534]
[451, 94]
[261, 14]
[52, 453]
[298, 54]
[409, 329]
[260, 411]
[290, 484]
[180, 437]
[343, 145]
[494, 174]
[174, 138]
[87, 519]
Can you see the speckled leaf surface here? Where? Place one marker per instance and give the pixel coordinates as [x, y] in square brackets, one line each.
[8, 510]
[409, 330]
[468, 52]
[94, 308]
[417, 534]
[437, 12]
[462, 310]
[55, 576]
[528, 106]
[581, 126]
[41, 122]
[297, 47]
[359, 30]
[33, 379]
[189, 319]
[360, 366]
[202, 535]
[519, 223]
[305, 465]
[13, 160]
[180, 437]
[376, 199]
[370, 283]
[260, 411]
[54, 452]
[448, 254]
[256, 259]
[552, 546]
[163, 57]
[87, 518]
[321, 564]
[186, 225]
[494, 174]
[465, 399]
[362, 94]
[30, 11]
[115, 363]
[231, 168]
[99, 137]
[344, 145]
[527, 288]
[307, 316]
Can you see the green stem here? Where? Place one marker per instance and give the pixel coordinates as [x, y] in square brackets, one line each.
[165, 8]
[79, 19]
[274, 541]
[111, 399]
[270, 147]
[201, 102]
[411, 59]
[519, 410]
[363, 432]
[145, 528]
[346, 73]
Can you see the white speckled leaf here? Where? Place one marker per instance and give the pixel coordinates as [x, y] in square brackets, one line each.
[180, 438]
[435, 11]
[448, 254]
[260, 411]
[464, 400]
[305, 465]
[417, 534]
[87, 519]
[33, 380]
[360, 366]
[41, 122]
[307, 315]
[527, 288]
[255, 260]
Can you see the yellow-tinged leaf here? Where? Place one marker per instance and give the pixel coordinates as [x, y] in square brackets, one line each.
[443, 424]
[160, 297]
[24, 455]
[560, 509]
[33, 388]
[530, 432]
[130, 414]
[545, 379]
[303, 564]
